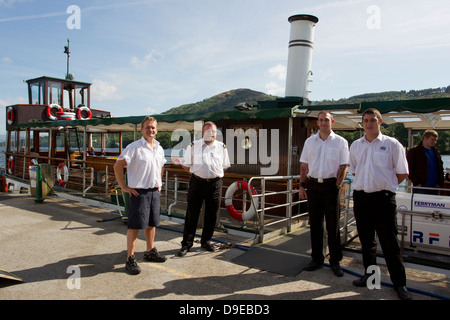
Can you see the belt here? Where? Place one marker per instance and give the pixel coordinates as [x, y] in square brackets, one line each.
[206, 180]
[322, 180]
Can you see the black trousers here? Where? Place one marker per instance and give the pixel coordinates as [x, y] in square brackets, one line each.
[323, 202]
[200, 191]
[376, 212]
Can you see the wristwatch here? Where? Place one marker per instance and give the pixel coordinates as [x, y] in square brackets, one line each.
[302, 184]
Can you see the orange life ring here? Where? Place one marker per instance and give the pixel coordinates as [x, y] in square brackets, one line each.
[49, 111]
[11, 165]
[240, 216]
[62, 167]
[83, 108]
[10, 115]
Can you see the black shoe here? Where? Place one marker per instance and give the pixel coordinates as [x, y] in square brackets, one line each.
[313, 265]
[131, 266]
[403, 293]
[208, 247]
[154, 256]
[183, 251]
[361, 282]
[337, 270]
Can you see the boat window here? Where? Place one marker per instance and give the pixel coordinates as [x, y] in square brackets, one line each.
[128, 137]
[55, 93]
[13, 142]
[31, 139]
[43, 141]
[96, 141]
[66, 99]
[37, 93]
[60, 142]
[112, 142]
[22, 141]
[76, 143]
[80, 95]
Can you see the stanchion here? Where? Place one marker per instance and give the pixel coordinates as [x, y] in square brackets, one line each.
[39, 198]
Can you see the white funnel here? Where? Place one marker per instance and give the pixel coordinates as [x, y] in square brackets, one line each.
[300, 54]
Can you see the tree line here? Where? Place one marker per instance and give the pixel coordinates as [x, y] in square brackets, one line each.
[399, 132]
[396, 130]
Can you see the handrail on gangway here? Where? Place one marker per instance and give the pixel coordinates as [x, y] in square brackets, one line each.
[261, 211]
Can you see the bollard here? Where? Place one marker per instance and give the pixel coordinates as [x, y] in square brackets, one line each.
[39, 198]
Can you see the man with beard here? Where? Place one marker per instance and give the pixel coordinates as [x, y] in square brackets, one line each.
[206, 159]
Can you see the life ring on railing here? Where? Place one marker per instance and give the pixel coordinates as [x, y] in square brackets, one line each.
[10, 164]
[10, 115]
[240, 216]
[62, 167]
[49, 111]
[81, 109]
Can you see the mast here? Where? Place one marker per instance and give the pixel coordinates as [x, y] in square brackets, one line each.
[66, 51]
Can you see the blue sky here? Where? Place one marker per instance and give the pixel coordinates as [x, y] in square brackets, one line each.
[145, 57]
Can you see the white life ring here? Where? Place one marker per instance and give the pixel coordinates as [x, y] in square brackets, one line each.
[10, 165]
[83, 108]
[66, 116]
[49, 111]
[63, 167]
[10, 115]
[240, 216]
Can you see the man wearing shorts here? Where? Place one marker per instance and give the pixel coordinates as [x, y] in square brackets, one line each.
[144, 160]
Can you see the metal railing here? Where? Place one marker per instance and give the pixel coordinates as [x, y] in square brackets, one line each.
[78, 168]
[266, 220]
[264, 194]
[289, 217]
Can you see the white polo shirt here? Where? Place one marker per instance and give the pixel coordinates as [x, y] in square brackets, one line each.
[206, 161]
[144, 164]
[324, 156]
[375, 164]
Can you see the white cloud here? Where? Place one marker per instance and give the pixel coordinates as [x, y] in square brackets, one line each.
[274, 88]
[104, 91]
[277, 72]
[7, 60]
[152, 56]
[11, 101]
[150, 110]
[276, 85]
[8, 102]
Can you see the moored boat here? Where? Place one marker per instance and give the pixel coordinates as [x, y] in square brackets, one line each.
[57, 128]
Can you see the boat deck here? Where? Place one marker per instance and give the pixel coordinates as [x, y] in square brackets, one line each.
[47, 244]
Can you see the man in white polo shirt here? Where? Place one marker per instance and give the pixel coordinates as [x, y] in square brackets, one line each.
[379, 165]
[144, 160]
[324, 159]
[206, 159]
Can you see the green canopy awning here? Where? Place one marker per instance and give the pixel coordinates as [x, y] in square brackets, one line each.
[415, 114]
[166, 122]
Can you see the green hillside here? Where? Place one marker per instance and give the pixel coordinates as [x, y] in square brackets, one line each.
[222, 102]
[227, 100]
[441, 92]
